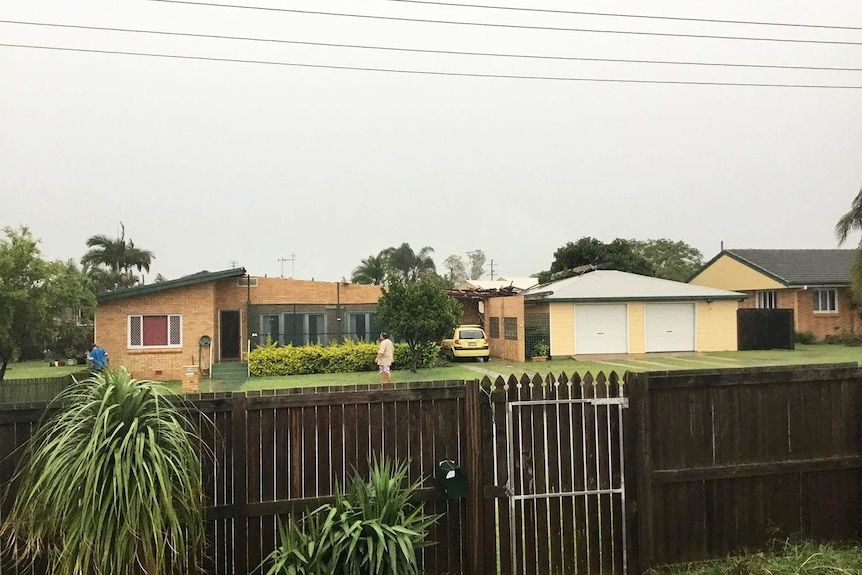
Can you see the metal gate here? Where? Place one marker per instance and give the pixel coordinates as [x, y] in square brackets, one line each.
[566, 486]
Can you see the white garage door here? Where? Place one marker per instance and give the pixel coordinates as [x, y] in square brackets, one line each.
[601, 328]
[670, 327]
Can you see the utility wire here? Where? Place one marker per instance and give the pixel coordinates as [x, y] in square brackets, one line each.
[434, 73]
[634, 16]
[510, 26]
[426, 51]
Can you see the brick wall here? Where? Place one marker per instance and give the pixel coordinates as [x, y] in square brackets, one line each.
[801, 301]
[823, 324]
[199, 306]
[194, 303]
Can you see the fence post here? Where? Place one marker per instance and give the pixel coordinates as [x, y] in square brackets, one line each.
[239, 417]
[633, 390]
[641, 459]
[476, 555]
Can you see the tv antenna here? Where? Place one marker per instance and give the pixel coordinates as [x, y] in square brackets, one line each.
[291, 259]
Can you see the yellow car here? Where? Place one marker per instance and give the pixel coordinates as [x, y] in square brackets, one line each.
[466, 341]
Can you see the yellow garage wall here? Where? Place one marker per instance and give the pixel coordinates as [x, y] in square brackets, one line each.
[637, 327]
[716, 325]
[562, 329]
[727, 273]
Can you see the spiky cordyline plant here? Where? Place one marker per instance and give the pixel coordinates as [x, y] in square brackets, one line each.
[111, 484]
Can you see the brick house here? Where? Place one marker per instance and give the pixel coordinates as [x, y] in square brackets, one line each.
[156, 330]
[815, 284]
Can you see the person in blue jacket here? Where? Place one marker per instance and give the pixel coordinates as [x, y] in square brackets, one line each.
[98, 358]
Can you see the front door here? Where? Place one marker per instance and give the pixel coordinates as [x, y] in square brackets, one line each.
[229, 334]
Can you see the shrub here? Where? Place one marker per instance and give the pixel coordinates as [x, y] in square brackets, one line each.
[372, 528]
[348, 357]
[844, 338]
[112, 483]
[805, 337]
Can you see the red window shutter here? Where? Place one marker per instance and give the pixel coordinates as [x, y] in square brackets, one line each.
[155, 330]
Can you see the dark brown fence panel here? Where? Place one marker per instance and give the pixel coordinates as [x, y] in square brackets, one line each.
[733, 458]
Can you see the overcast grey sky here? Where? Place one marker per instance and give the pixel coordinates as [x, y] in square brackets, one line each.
[209, 163]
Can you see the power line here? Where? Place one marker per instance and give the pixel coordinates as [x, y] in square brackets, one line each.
[432, 72]
[510, 26]
[633, 16]
[427, 51]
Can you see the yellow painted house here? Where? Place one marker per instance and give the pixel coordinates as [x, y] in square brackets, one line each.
[815, 284]
[613, 312]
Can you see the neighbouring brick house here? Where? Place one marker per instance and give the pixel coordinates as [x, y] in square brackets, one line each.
[155, 330]
[815, 284]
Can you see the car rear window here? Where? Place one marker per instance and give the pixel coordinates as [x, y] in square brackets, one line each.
[472, 334]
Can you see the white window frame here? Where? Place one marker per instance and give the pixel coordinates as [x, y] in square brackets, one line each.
[821, 295]
[767, 299]
[141, 338]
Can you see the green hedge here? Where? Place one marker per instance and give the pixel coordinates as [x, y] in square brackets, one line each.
[345, 358]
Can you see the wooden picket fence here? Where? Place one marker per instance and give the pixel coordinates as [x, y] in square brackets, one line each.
[563, 477]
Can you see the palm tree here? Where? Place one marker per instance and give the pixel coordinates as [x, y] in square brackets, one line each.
[116, 254]
[372, 270]
[411, 265]
[111, 483]
[851, 221]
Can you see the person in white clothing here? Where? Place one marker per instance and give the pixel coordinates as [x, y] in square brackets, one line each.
[385, 355]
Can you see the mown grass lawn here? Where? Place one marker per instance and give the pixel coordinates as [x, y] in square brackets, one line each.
[33, 369]
[803, 354]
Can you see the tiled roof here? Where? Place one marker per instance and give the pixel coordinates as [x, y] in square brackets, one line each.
[610, 285]
[801, 267]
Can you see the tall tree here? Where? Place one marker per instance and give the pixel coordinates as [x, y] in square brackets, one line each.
[372, 270]
[671, 260]
[115, 258]
[477, 264]
[37, 297]
[410, 265]
[851, 221]
[617, 255]
[456, 272]
[419, 313]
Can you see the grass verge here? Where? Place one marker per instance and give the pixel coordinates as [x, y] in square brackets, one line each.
[786, 558]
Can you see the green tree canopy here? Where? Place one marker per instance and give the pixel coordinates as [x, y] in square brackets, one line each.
[619, 255]
[477, 264]
[110, 261]
[419, 313]
[456, 271]
[411, 265]
[38, 298]
[372, 270]
[671, 260]
[851, 221]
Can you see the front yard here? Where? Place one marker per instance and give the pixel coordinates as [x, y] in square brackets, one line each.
[803, 354]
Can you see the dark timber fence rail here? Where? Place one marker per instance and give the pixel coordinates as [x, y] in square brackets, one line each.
[710, 461]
